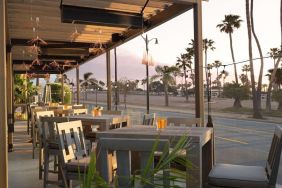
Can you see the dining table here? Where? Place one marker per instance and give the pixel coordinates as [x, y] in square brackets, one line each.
[104, 122]
[199, 152]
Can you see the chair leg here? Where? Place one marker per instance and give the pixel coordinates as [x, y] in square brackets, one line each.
[60, 173]
[64, 178]
[46, 168]
[33, 142]
[55, 163]
[70, 183]
[28, 124]
[40, 161]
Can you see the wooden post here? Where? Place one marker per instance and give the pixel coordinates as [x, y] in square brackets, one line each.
[77, 85]
[116, 87]
[3, 105]
[198, 38]
[62, 88]
[9, 92]
[109, 86]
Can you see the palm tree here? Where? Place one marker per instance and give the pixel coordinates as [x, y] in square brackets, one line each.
[268, 103]
[244, 79]
[228, 25]
[278, 77]
[165, 75]
[223, 74]
[184, 62]
[259, 86]
[264, 86]
[273, 53]
[256, 109]
[217, 64]
[144, 82]
[246, 69]
[86, 82]
[207, 45]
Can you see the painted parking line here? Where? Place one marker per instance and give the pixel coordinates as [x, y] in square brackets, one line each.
[250, 131]
[232, 140]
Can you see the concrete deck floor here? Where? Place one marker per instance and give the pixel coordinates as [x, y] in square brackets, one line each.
[23, 170]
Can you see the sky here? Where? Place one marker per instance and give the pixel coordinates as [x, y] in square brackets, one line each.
[174, 36]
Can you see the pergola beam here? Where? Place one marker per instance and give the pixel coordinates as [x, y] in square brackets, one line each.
[84, 15]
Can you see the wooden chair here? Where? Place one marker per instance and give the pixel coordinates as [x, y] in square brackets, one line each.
[111, 112]
[34, 128]
[55, 107]
[178, 121]
[227, 175]
[38, 135]
[73, 153]
[50, 145]
[89, 135]
[149, 119]
[124, 147]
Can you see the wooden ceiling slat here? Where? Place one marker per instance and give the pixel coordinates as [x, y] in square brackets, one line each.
[46, 22]
[62, 38]
[62, 27]
[51, 28]
[65, 34]
[152, 3]
[112, 6]
[55, 10]
[54, 13]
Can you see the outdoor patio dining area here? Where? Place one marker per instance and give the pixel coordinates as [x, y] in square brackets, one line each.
[118, 131]
[59, 140]
[123, 143]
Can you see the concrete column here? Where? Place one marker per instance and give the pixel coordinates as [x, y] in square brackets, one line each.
[109, 86]
[198, 39]
[9, 92]
[3, 105]
[77, 86]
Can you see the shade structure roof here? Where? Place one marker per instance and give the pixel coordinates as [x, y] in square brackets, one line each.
[53, 36]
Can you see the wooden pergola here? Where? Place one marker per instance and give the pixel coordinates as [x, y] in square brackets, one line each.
[54, 36]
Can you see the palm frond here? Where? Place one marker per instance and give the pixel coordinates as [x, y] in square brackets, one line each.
[87, 75]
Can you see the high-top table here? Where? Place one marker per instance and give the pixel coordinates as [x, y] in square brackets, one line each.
[199, 153]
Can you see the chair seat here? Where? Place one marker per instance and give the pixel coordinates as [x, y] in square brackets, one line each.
[227, 175]
[78, 165]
